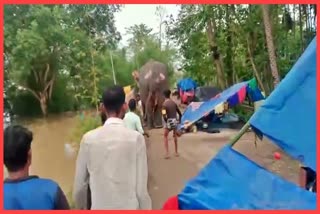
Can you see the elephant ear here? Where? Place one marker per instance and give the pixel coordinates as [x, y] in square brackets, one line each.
[148, 74]
[162, 77]
[135, 75]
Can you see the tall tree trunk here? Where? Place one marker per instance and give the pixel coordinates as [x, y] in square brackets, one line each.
[270, 45]
[294, 21]
[301, 31]
[215, 53]
[44, 104]
[255, 71]
[229, 53]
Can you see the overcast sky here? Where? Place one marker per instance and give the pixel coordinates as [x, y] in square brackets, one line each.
[132, 14]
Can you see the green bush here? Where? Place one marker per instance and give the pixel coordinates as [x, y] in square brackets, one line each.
[85, 123]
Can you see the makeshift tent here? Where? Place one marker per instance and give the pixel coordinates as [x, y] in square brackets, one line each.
[205, 93]
[186, 88]
[287, 117]
[224, 184]
[233, 96]
[187, 84]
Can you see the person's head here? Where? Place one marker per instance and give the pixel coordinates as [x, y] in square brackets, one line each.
[114, 101]
[167, 93]
[17, 148]
[132, 105]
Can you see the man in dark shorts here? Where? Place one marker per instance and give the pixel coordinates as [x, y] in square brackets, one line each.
[22, 191]
[169, 113]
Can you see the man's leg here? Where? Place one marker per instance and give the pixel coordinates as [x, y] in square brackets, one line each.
[166, 143]
[302, 178]
[175, 137]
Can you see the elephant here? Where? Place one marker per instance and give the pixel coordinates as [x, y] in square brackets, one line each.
[152, 80]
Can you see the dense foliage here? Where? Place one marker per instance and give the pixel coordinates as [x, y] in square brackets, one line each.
[224, 44]
[60, 57]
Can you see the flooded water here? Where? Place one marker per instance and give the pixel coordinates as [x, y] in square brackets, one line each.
[49, 159]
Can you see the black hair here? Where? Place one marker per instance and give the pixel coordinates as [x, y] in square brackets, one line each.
[167, 93]
[132, 105]
[113, 98]
[17, 143]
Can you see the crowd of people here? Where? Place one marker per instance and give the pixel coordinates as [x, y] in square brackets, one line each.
[111, 168]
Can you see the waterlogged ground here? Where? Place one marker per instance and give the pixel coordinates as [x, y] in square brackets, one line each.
[167, 177]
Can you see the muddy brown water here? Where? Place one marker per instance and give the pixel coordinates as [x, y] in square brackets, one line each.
[48, 149]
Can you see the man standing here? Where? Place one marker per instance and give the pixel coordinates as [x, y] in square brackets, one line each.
[113, 159]
[169, 113]
[131, 119]
[22, 191]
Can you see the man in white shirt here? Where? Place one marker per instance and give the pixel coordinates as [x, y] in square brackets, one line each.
[112, 160]
[131, 119]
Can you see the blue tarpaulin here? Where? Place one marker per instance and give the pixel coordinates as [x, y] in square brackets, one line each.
[195, 111]
[288, 116]
[187, 84]
[231, 181]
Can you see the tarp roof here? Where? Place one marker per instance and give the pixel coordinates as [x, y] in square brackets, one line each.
[196, 110]
[288, 115]
[187, 84]
[231, 181]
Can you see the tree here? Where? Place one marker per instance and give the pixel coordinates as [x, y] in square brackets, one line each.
[238, 35]
[34, 45]
[44, 42]
[270, 45]
[161, 13]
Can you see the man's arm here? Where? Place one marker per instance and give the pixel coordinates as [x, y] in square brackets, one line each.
[81, 182]
[142, 175]
[164, 113]
[179, 112]
[138, 125]
[302, 177]
[61, 202]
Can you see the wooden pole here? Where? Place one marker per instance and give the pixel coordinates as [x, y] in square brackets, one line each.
[243, 130]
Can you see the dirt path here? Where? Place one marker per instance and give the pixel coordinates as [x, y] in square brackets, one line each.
[167, 177]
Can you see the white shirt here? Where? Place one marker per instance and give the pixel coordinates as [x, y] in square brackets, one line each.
[133, 122]
[113, 161]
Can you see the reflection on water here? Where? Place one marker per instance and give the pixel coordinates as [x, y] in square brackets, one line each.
[49, 159]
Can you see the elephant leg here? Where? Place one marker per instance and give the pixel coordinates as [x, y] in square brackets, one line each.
[149, 111]
[157, 116]
[144, 115]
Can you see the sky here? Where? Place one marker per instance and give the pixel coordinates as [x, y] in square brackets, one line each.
[132, 14]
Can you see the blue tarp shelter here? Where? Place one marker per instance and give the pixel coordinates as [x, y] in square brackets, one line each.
[195, 111]
[187, 84]
[288, 118]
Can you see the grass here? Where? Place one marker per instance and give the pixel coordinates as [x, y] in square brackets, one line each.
[85, 123]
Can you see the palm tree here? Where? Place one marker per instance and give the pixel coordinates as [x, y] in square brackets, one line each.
[270, 44]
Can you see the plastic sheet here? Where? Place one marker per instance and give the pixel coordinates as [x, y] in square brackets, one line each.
[231, 181]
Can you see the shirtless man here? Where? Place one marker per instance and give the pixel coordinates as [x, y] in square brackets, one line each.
[169, 113]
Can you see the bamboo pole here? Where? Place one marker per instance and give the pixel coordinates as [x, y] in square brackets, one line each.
[243, 130]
